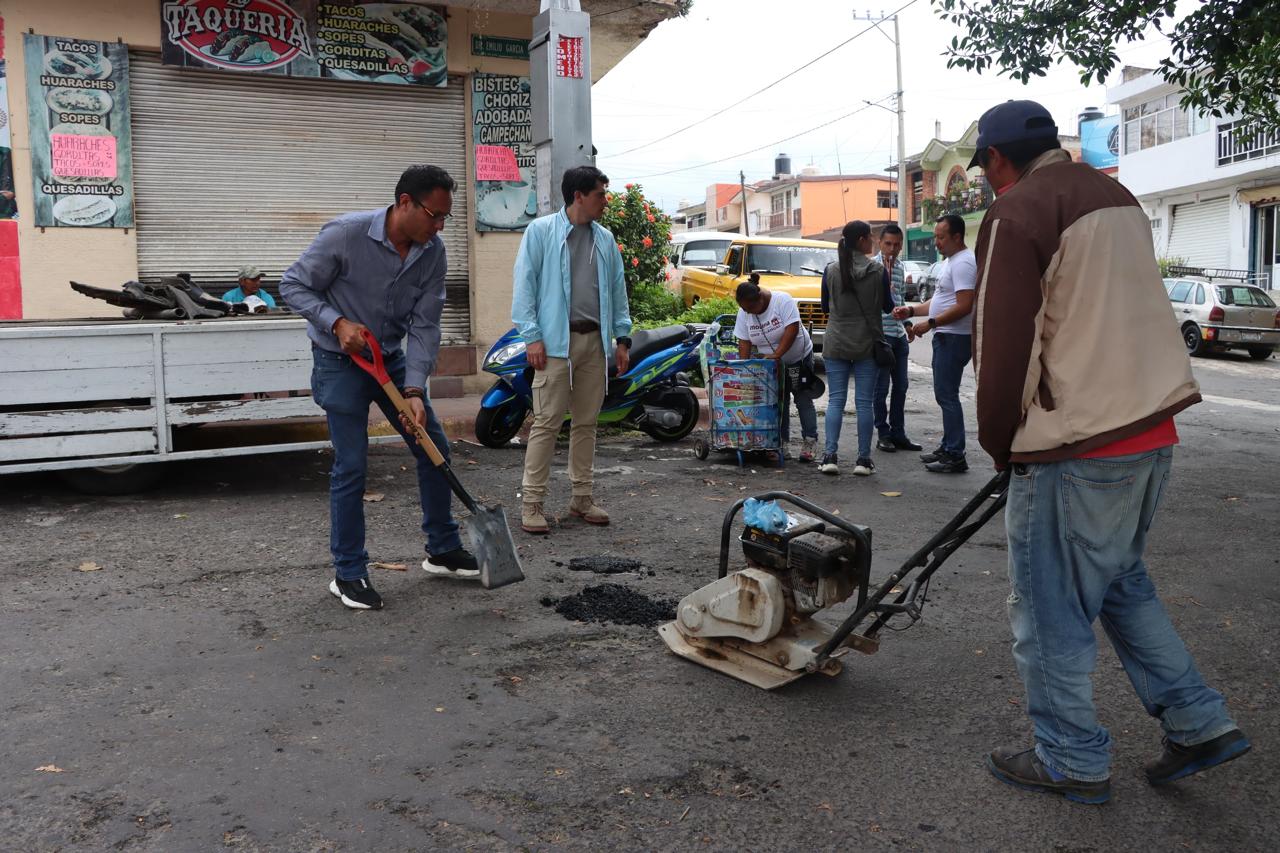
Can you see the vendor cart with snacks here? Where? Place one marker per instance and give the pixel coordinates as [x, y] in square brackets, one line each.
[746, 409]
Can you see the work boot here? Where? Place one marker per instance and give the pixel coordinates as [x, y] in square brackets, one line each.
[1020, 767]
[532, 520]
[357, 594]
[807, 449]
[458, 563]
[947, 463]
[584, 508]
[1178, 761]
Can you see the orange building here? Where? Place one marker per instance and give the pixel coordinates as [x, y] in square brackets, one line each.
[810, 205]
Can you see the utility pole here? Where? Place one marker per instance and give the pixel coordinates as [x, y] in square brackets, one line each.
[742, 182]
[902, 140]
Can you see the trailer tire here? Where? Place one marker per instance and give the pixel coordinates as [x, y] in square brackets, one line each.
[114, 479]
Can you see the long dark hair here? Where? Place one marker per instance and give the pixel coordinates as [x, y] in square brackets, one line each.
[849, 236]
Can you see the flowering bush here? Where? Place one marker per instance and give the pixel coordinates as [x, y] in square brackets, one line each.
[643, 233]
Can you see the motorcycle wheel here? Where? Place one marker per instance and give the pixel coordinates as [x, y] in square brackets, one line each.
[496, 427]
[689, 419]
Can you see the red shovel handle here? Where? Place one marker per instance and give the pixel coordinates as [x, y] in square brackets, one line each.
[374, 368]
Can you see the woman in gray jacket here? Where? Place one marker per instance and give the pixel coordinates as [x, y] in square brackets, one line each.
[853, 296]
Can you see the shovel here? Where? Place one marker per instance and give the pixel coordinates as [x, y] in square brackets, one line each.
[490, 537]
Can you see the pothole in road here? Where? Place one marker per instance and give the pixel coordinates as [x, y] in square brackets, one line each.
[611, 602]
[604, 565]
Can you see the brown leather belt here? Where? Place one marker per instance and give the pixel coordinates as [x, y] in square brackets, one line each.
[584, 327]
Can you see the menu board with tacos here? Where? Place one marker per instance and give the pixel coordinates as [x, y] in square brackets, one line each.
[502, 127]
[398, 43]
[81, 145]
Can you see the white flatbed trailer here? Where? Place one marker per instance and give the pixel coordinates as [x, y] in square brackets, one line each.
[103, 400]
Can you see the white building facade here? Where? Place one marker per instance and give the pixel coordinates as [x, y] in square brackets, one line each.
[1210, 187]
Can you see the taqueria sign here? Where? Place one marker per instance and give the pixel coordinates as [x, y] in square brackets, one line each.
[398, 43]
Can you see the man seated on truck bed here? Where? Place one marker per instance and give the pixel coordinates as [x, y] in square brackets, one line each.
[250, 291]
[379, 270]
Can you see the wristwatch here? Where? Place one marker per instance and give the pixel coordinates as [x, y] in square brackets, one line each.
[624, 341]
[933, 322]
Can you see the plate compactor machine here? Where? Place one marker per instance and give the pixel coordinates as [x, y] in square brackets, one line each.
[757, 624]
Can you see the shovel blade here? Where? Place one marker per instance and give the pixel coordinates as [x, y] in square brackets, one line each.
[494, 548]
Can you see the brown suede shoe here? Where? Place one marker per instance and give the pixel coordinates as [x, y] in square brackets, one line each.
[532, 520]
[584, 508]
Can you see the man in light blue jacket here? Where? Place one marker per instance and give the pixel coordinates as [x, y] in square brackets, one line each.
[570, 306]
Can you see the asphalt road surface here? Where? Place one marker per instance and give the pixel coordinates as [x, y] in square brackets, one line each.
[202, 690]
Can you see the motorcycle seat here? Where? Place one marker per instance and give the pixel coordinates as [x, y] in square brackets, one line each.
[649, 341]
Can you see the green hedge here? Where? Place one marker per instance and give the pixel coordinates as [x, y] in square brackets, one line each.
[703, 312]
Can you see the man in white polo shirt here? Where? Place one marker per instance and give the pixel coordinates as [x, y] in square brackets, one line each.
[769, 322]
[949, 313]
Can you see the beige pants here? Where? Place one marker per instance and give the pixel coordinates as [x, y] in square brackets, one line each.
[585, 370]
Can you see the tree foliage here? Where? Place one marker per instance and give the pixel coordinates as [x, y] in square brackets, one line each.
[1224, 54]
[643, 233]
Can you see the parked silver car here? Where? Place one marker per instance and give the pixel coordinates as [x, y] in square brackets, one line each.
[1224, 315]
[914, 275]
[927, 285]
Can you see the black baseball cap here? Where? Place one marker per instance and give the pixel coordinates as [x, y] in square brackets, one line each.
[1013, 121]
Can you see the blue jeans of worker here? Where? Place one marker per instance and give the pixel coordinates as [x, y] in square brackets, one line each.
[1076, 531]
[804, 408]
[891, 418]
[864, 372]
[950, 355]
[345, 391]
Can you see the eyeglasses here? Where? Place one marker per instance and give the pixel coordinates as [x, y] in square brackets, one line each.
[441, 218]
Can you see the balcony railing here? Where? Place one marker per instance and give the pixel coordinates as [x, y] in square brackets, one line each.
[977, 196]
[783, 219]
[1241, 140]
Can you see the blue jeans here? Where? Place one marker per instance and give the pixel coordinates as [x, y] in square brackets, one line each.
[864, 372]
[1076, 531]
[891, 418]
[950, 355]
[345, 391]
[804, 408]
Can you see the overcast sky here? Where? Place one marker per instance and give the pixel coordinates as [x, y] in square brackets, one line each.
[725, 49]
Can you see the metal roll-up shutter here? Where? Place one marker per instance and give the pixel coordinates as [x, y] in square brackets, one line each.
[1200, 233]
[239, 168]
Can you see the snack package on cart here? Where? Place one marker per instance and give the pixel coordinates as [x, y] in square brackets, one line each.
[746, 411]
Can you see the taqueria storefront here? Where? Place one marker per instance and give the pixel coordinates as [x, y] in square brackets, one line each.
[148, 137]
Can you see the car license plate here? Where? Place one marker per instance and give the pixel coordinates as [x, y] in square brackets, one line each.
[1251, 336]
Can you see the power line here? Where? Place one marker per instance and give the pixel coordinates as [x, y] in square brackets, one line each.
[768, 145]
[766, 88]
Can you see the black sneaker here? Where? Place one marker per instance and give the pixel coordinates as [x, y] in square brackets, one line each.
[829, 465]
[1178, 761]
[358, 595]
[932, 456]
[1022, 768]
[457, 563]
[864, 467]
[947, 463]
[886, 444]
[906, 444]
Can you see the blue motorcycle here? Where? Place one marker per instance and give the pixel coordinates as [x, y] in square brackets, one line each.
[652, 396]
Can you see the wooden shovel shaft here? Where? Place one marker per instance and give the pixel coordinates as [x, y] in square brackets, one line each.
[424, 439]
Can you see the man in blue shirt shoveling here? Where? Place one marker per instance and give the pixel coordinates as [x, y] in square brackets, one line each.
[381, 271]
